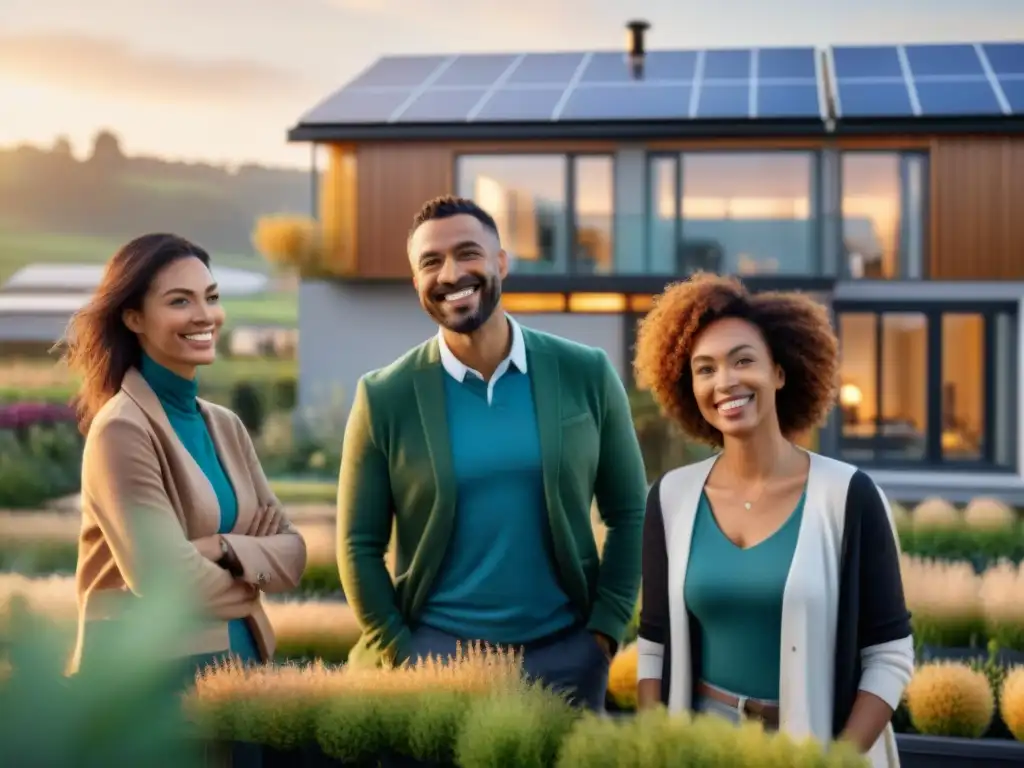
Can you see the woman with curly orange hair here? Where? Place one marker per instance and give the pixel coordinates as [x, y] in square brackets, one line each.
[771, 575]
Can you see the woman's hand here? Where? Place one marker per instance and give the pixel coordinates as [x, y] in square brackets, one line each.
[210, 547]
[266, 522]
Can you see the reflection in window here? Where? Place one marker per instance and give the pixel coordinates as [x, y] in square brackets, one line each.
[902, 427]
[871, 214]
[747, 213]
[661, 222]
[526, 195]
[593, 208]
[859, 376]
[883, 396]
[963, 386]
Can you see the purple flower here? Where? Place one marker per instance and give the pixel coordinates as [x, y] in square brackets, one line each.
[25, 415]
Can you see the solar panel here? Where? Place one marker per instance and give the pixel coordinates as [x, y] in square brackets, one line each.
[880, 81]
[407, 71]
[873, 100]
[1005, 58]
[924, 80]
[787, 64]
[629, 102]
[727, 65]
[940, 60]
[974, 97]
[1014, 92]
[869, 61]
[787, 101]
[548, 68]
[519, 104]
[482, 69]
[359, 106]
[722, 101]
[442, 105]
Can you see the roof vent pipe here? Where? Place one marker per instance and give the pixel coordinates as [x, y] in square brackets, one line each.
[635, 51]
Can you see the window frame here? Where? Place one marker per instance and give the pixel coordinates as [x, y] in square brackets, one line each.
[933, 312]
[903, 156]
[568, 191]
[816, 197]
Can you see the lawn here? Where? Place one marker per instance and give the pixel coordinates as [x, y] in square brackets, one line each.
[19, 249]
[265, 309]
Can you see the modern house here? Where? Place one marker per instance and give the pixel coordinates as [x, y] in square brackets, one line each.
[884, 179]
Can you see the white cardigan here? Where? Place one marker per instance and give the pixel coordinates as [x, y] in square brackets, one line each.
[809, 609]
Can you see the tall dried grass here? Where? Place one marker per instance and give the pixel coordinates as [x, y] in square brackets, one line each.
[476, 669]
[39, 527]
[989, 514]
[295, 622]
[940, 589]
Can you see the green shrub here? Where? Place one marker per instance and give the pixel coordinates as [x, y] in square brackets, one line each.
[248, 406]
[653, 739]
[38, 464]
[663, 446]
[524, 730]
[962, 542]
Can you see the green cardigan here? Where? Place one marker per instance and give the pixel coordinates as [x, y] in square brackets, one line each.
[396, 462]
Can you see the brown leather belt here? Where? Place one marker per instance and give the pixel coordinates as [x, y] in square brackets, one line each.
[767, 714]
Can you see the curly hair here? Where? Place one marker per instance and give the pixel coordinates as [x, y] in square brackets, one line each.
[796, 329]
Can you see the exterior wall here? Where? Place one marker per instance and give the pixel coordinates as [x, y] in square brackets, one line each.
[348, 330]
[977, 231]
[974, 184]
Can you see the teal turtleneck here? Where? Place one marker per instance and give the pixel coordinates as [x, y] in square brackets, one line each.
[178, 397]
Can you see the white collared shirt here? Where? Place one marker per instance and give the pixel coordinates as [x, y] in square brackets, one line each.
[458, 370]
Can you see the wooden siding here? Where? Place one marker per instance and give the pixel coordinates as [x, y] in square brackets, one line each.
[339, 209]
[975, 182]
[977, 211]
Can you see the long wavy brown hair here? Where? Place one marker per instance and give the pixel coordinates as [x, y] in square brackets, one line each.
[97, 344]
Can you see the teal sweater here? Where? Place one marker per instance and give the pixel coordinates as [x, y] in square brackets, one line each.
[178, 397]
[498, 582]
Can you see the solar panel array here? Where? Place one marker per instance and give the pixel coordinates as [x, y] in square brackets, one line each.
[870, 82]
[963, 80]
[541, 87]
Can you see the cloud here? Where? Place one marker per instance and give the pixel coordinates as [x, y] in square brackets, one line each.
[113, 68]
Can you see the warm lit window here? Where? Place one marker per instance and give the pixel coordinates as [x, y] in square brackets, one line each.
[883, 204]
[533, 302]
[526, 195]
[597, 302]
[934, 386]
[593, 214]
[733, 212]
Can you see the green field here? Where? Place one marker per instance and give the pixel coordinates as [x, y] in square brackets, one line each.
[19, 249]
[266, 309]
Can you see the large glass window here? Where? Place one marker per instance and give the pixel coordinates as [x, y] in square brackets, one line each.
[593, 206]
[883, 215]
[528, 197]
[930, 385]
[748, 213]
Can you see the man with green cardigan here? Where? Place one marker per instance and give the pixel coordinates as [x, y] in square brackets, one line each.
[485, 447]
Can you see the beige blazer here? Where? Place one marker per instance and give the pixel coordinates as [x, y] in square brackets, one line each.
[135, 465]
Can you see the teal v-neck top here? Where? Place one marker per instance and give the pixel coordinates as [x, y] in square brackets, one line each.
[178, 395]
[735, 595]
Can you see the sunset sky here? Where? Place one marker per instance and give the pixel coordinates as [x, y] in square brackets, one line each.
[222, 80]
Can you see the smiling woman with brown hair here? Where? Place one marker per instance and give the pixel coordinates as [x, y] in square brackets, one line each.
[771, 578]
[158, 457]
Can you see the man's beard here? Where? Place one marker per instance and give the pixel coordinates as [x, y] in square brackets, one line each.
[489, 295]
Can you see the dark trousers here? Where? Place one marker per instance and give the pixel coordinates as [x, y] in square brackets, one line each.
[570, 662]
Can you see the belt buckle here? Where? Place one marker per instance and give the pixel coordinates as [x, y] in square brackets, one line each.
[744, 712]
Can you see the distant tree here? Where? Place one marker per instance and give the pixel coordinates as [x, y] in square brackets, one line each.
[106, 149]
[293, 242]
[62, 146]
